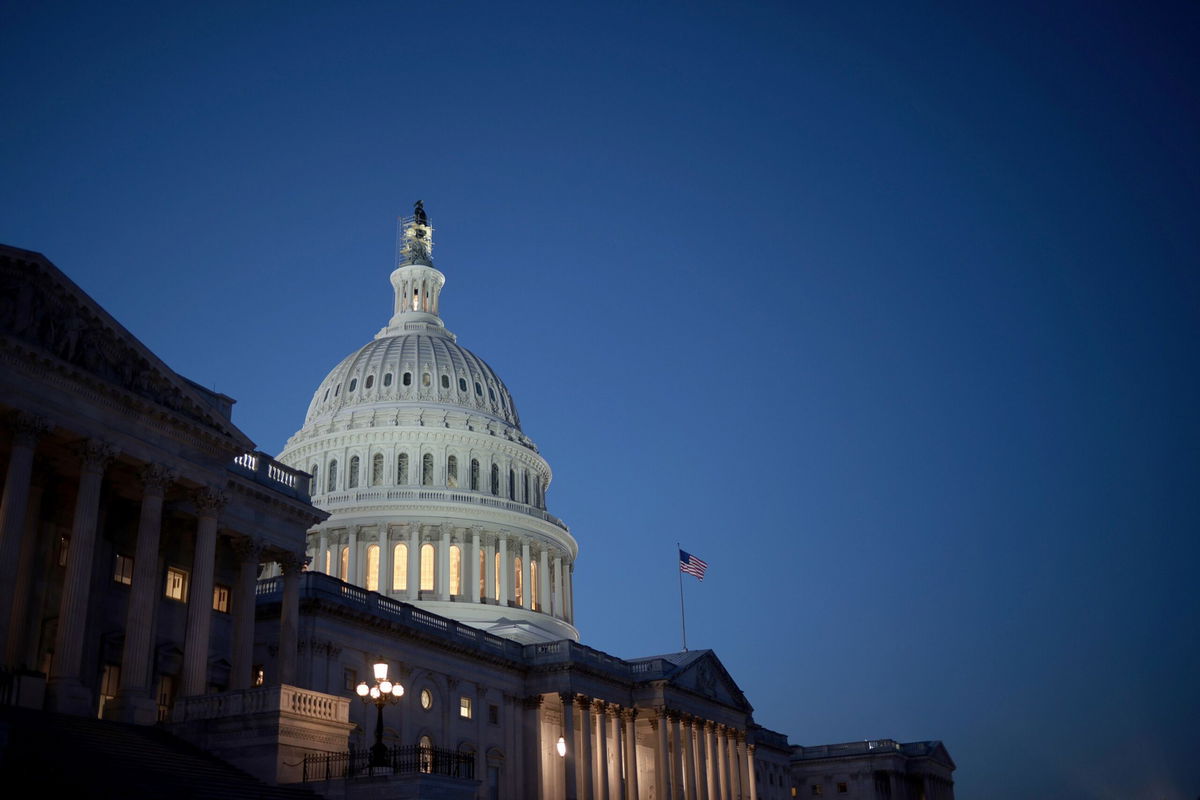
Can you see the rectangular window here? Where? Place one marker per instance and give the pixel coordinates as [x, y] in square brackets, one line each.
[221, 598]
[177, 580]
[123, 570]
[464, 707]
[110, 679]
[64, 544]
[494, 715]
[166, 694]
[842, 788]
[349, 679]
[260, 675]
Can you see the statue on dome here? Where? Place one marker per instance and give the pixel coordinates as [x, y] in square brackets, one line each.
[419, 216]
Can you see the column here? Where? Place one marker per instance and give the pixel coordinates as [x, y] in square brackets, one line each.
[414, 561]
[526, 587]
[751, 776]
[586, 759]
[558, 588]
[602, 725]
[442, 579]
[502, 572]
[569, 599]
[472, 571]
[618, 743]
[352, 572]
[570, 783]
[662, 759]
[544, 581]
[289, 618]
[631, 764]
[721, 745]
[701, 728]
[385, 561]
[710, 763]
[26, 430]
[489, 572]
[248, 553]
[676, 758]
[689, 759]
[135, 700]
[67, 693]
[25, 592]
[735, 772]
[532, 734]
[208, 502]
[322, 550]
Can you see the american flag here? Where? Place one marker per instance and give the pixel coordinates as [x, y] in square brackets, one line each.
[691, 565]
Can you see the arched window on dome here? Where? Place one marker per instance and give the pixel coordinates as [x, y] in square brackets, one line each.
[353, 385]
[332, 480]
[377, 469]
[316, 484]
[370, 381]
[474, 474]
[455, 569]
[495, 480]
[498, 571]
[452, 472]
[407, 379]
[512, 485]
[352, 478]
[425, 379]
[478, 389]
[533, 583]
[462, 385]
[402, 469]
[326, 398]
[400, 568]
[525, 486]
[491, 394]
[427, 469]
[518, 593]
[445, 381]
[344, 567]
[426, 567]
[387, 379]
[373, 568]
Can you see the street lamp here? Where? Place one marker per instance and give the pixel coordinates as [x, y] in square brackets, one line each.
[561, 747]
[381, 694]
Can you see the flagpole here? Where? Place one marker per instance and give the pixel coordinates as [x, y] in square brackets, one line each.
[682, 616]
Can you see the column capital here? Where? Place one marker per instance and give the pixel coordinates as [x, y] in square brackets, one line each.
[629, 714]
[247, 548]
[96, 455]
[156, 478]
[567, 698]
[600, 707]
[290, 562]
[209, 501]
[710, 726]
[533, 701]
[583, 701]
[28, 428]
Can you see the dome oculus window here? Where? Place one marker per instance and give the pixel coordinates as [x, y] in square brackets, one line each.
[326, 396]
[353, 385]
[425, 379]
[369, 382]
[462, 384]
[426, 699]
[445, 381]
[387, 379]
[337, 390]
[478, 389]
[491, 394]
[407, 379]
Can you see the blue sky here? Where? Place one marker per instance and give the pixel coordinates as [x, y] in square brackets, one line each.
[887, 311]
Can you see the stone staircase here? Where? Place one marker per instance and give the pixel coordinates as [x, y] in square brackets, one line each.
[42, 754]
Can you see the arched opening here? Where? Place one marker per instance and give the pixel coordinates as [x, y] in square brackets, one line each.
[373, 568]
[518, 588]
[377, 469]
[496, 583]
[344, 567]
[496, 480]
[426, 567]
[400, 568]
[352, 478]
[455, 569]
[402, 469]
[332, 481]
[427, 469]
[452, 472]
[533, 584]
[474, 475]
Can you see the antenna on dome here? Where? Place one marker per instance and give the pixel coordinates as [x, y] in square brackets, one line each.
[414, 238]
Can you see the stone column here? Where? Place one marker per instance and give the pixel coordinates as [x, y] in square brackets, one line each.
[289, 618]
[414, 561]
[620, 786]
[353, 574]
[662, 758]
[721, 744]
[570, 782]
[544, 582]
[569, 599]
[135, 701]
[532, 734]
[66, 693]
[489, 571]
[25, 592]
[244, 602]
[385, 561]
[710, 763]
[322, 550]
[441, 581]
[735, 771]
[558, 587]
[689, 759]
[602, 725]
[751, 776]
[208, 502]
[676, 757]
[26, 430]
[631, 763]
[526, 586]
[587, 757]
[472, 571]
[502, 572]
[701, 729]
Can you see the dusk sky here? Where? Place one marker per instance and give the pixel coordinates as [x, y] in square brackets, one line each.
[890, 312]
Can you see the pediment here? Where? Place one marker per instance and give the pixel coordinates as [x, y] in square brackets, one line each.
[44, 310]
[706, 675]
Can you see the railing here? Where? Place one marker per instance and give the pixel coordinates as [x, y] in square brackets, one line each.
[302, 702]
[385, 494]
[407, 760]
[269, 472]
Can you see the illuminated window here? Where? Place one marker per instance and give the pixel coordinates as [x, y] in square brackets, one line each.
[533, 583]
[344, 572]
[426, 703]
[425, 380]
[221, 598]
[349, 679]
[373, 568]
[427, 567]
[427, 469]
[328, 562]
[123, 570]
[165, 696]
[425, 744]
[445, 381]
[462, 384]
[377, 469]
[258, 675]
[177, 584]
[518, 594]
[474, 474]
[497, 573]
[464, 707]
[455, 569]
[482, 576]
[332, 482]
[369, 382]
[353, 385]
[110, 679]
[387, 379]
[406, 379]
[352, 478]
[400, 568]
[495, 480]
[402, 469]
[452, 472]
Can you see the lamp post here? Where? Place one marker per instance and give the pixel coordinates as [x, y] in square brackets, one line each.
[381, 694]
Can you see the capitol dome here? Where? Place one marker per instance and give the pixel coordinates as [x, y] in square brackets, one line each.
[436, 496]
